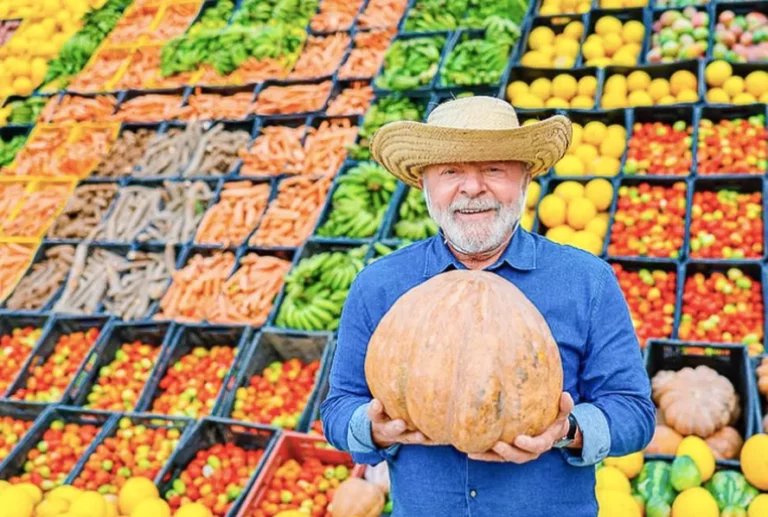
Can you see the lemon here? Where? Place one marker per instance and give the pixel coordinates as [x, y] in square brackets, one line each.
[557, 102]
[527, 220]
[580, 212]
[759, 506]
[33, 490]
[633, 32]
[578, 132]
[612, 478]
[611, 43]
[541, 88]
[582, 102]
[717, 72]
[39, 69]
[592, 49]
[630, 465]
[515, 89]
[764, 98]
[587, 153]
[569, 190]
[612, 146]
[718, 96]
[639, 98]
[600, 192]
[574, 30]
[658, 88]
[569, 165]
[587, 241]
[599, 62]
[529, 101]
[616, 131]
[638, 80]
[598, 227]
[50, 6]
[611, 4]
[616, 84]
[66, 492]
[744, 98]
[700, 453]
[23, 86]
[605, 166]
[153, 507]
[548, 51]
[112, 509]
[594, 132]
[18, 501]
[552, 211]
[567, 47]
[616, 504]
[613, 100]
[532, 196]
[734, 85]
[695, 502]
[4, 485]
[667, 99]
[564, 86]
[608, 25]
[541, 36]
[18, 67]
[89, 504]
[193, 510]
[560, 234]
[587, 86]
[134, 491]
[687, 96]
[549, 10]
[51, 507]
[624, 58]
[563, 62]
[633, 48]
[756, 82]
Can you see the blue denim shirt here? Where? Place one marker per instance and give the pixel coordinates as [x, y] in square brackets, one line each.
[579, 296]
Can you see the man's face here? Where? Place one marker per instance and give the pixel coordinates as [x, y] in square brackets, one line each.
[477, 205]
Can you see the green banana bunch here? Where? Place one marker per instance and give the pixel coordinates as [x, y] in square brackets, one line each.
[317, 288]
[9, 149]
[359, 203]
[474, 62]
[295, 13]
[480, 10]
[435, 15]
[27, 110]
[415, 223]
[214, 18]
[501, 30]
[386, 109]
[411, 63]
[186, 52]
[382, 250]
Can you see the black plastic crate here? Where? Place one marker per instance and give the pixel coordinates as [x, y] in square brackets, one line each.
[730, 361]
[44, 303]
[443, 82]
[662, 71]
[557, 24]
[738, 8]
[715, 114]
[395, 215]
[667, 115]
[443, 40]
[527, 75]
[277, 345]
[21, 412]
[761, 408]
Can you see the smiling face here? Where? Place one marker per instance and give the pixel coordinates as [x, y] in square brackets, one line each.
[477, 205]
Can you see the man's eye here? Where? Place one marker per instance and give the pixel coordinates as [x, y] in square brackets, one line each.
[448, 171]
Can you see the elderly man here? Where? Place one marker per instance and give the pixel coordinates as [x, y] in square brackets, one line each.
[474, 162]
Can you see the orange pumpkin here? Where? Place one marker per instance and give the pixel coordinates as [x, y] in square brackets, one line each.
[356, 497]
[665, 441]
[726, 443]
[468, 360]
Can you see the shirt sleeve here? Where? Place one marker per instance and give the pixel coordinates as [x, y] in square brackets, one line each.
[344, 411]
[616, 409]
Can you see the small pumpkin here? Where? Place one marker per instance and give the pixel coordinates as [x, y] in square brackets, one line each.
[468, 360]
[357, 497]
[696, 401]
[665, 441]
[754, 461]
[726, 444]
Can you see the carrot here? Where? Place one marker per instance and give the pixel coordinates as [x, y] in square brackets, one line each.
[256, 70]
[382, 13]
[195, 286]
[277, 150]
[37, 212]
[354, 100]
[247, 297]
[80, 157]
[14, 259]
[335, 15]
[175, 21]
[35, 157]
[144, 71]
[298, 98]
[78, 109]
[368, 54]
[134, 25]
[208, 106]
[239, 210]
[321, 56]
[326, 147]
[10, 194]
[293, 214]
[98, 73]
[150, 108]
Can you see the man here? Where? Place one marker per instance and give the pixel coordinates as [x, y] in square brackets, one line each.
[474, 162]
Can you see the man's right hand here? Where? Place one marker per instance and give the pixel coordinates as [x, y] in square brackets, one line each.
[386, 432]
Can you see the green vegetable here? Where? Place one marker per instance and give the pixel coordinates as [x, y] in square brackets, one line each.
[415, 223]
[9, 149]
[386, 109]
[411, 63]
[214, 18]
[684, 474]
[730, 488]
[382, 250]
[480, 10]
[435, 15]
[654, 482]
[656, 507]
[296, 13]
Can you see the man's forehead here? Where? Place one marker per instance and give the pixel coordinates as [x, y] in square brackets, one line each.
[477, 164]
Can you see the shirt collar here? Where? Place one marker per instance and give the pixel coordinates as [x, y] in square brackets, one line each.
[520, 254]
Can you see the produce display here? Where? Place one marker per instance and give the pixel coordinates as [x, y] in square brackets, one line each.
[170, 167]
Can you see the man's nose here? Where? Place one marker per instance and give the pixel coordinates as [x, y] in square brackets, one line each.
[473, 184]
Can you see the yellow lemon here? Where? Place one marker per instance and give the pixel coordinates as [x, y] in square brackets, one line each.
[18, 500]
[552, 211]
[532, 197]
[564, 86]
[594, 132]
[759, 506]
[515, 89]
[612, 478]
[616, 84]
[66, 492]
[718, 96]
[527, 220]
[569, 165]
[587, 86]
[611, 43]
[700, 453]
[764, 98]
[599, 62]
[717, 72]
[687, 96]
[744, 98]
[574, 30]
[582, 102]
[580, 212]
[682, 80]
[605, 166]
[734, 85]
[569, 190]
[667, 99]
[616, 504]
[638, 80]
[549, 10]
[18, 67]
[153, 507]
[639, 98]
[33, 490]
[592, 49]
[633, 32]
[597, 226]
[548, 52]
[613, 146]
[557, 102]
[567, 47]
[51, 507]
[562, 62]
[89, 504]
[587, 153]
[583, 7]
[541, 36]
[533, 59]
[600, 192]
[608, 25]
[587, 241]
[630, 465]
[529, 101]
[616, 131]
[695, 502]
[193, 510]
[624, 58]
[134, 491]
[23, 86]
[541, 88]
[658, 88]
[757, 82]
[613, 100]
[560, 234]
[4, 485]
[39, 69]
[611, 4]
[578, 132]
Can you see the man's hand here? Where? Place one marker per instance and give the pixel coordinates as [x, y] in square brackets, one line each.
[528, 448]
[386, 432]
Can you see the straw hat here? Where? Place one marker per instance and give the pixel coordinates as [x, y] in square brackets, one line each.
[470, 129]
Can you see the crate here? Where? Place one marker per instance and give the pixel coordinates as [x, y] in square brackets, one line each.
[276, 345]
[45, 304]
[65, 184]
[28, 413]
[188, 172]
[291, 446]
[224, 91]
[378, 88]
[717, 114]
[59, 327]
[528, 75]
[730, 361]
[557, 24]
[666, 115]
[9, 321]
[212, 431]
[624, 15]
[128, 95]
[761, 407]
[8, 133]
[432, 10]
[738, 8]
[663, 71]
[287, 83]
[158, 335]
[441, 82]
[393, 217]
[182, 343]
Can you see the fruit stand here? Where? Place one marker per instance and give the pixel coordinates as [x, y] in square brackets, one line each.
[187, 194]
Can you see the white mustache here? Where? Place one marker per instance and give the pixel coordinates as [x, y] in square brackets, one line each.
[474, 204]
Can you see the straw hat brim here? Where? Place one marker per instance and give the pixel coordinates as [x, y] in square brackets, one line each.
[405, 147]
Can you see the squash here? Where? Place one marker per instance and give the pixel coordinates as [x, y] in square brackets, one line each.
[654, 482]
[730, 489]
[726, 444]
[684, 474]
[754, 461]
[665, 441]
[356, 497]
[700, 453]
[695, 502]
[468, 360]
[696, 401]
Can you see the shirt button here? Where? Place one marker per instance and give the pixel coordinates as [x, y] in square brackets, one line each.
[473, 493]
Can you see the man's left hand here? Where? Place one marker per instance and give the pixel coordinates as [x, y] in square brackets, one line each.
[528, 448]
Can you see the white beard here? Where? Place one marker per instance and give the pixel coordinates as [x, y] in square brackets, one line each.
[477, 238]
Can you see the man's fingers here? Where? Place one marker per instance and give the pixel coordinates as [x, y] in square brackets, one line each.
[535, 444]
[512, 453]
[486, 456]
[412, 438]
[376, 412]
[392, 428]
[566, 404]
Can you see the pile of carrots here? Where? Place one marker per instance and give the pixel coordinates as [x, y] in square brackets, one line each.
[209, 106]
[14, 259]
[133, 25]
[382, 14]
[254, 71]
[10, 194]
[295, 98]
[240, 207]
[80, 157]
[367, 56]
[144, 71]
[354, 100]
[335, 15]
[98, 75]
[321, 56]
[79, 109]
[276, 151]
[174, 21]
[38, 153]
[150, 108]
[38, 210]
[326, 147]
